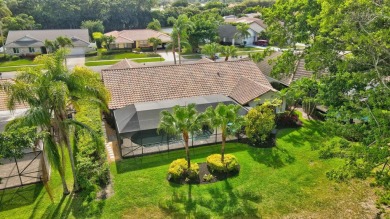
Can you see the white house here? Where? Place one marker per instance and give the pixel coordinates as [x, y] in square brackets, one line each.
[227, 31]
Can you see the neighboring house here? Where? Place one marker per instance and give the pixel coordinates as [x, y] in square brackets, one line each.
[129, 39]
[140, 94]
[28, 42]
[267, 64]
[227, 31]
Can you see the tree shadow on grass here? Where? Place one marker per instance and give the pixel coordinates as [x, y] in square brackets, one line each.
[80, 205]
[271, 157]
[17, 197]
[312, 131]
[217, 201]
[165, 158]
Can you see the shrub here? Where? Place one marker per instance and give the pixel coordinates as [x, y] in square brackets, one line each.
[137, 50]
[14, 58]
[230, 163]
[92, 53]
[208, 177]
[260, 121]
[179, 169]
[116, 51]
[92, 167]
[287, 120]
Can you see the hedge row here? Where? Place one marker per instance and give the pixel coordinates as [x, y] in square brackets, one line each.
[91, 162]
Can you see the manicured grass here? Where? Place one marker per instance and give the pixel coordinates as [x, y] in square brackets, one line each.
[125, 55]
[192, 56]
[247, 48]
[111, 62]
[285, 181]
[6, 66]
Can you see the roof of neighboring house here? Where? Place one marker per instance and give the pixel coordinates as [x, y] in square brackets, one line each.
[247, 20]
[4, 98]
[134, 85]
[36, 38]
[129, 36]
[300, 71]
[227, 30]
[125, 63]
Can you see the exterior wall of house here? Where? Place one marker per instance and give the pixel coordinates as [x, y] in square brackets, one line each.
[23, 51]
[269, 96]
[142, 44]
[121, 46]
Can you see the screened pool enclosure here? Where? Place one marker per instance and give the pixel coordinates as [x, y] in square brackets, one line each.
[136, 126]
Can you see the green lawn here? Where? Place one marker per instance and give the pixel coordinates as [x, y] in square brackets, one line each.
[111, 62]
[6, 66]
[127, 55]
[192, 56]
[248, 48]
[285, 181]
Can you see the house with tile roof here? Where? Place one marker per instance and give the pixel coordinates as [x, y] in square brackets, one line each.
[139, 94]
[268, 63]
[137, 38]
[27, 42]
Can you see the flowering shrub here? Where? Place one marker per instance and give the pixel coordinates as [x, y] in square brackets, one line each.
[215, 164]
[179, 169]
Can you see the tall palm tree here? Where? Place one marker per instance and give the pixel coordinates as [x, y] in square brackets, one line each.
[173, 45]
[242, 31]
[51, 90]
[226, 118]
[64, 41]
[180, 27]
[183, 120]
[229, 51]
[211, 50]
[155, 42]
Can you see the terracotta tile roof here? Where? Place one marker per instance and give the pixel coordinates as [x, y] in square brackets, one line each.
[4, 98]
[204, 60]
[125, 63]
[129, 36]
[265, 65]
[301, 71]
[134, 85]
[247, 90]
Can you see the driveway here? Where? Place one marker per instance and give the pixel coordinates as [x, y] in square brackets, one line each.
[72, 61]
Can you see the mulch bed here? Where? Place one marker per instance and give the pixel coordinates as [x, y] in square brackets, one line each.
[204, 169]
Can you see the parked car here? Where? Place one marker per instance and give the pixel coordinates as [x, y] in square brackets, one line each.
[261, 43]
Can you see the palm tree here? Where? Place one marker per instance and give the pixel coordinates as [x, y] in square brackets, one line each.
[226, 118]
[180, 27]
[174, 42]
[183, 120]
[64, 41]
[228, 51]
[155, 42]
[211, 50]
[242, 31]
[51, 90]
